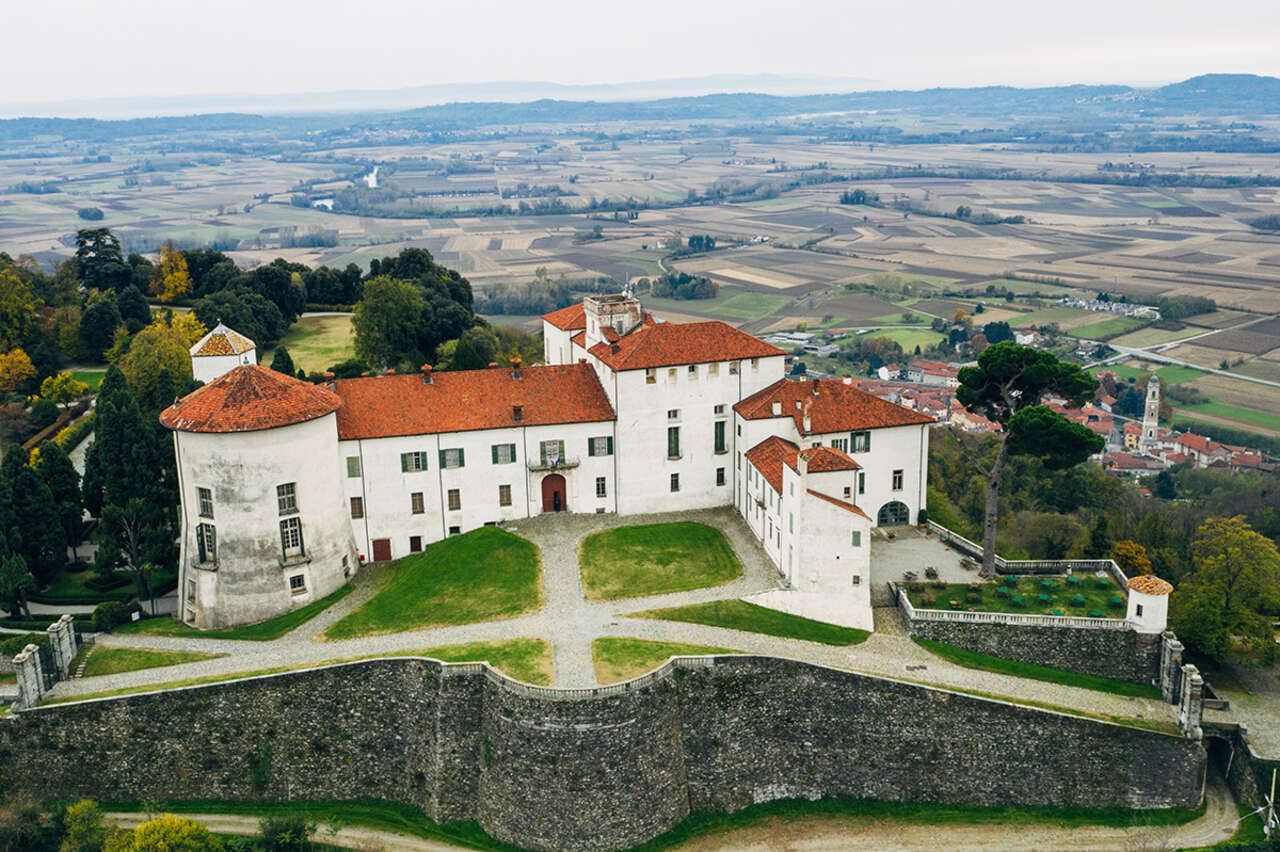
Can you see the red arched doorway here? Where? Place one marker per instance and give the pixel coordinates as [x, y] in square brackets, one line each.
[553, 494]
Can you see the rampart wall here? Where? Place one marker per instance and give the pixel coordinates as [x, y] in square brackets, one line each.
[598, 769]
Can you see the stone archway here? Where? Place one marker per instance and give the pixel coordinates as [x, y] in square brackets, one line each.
[893, 514]
[554, 496]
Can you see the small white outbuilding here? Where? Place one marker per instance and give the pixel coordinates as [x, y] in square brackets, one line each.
[1148, 603]
[219, 352]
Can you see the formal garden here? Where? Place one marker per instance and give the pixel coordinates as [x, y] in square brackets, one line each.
[1090, 595]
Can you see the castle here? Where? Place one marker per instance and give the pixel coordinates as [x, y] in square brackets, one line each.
[288, 487]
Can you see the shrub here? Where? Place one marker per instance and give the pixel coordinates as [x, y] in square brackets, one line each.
[43, 413]
[929, 598]
[285, 834]
[915, 586]
[11, 644]
[973, 597]
[110, 615]
[1095, 613]
[1018, 601]
[1116, 601]
[1003, 592]
[70, 437]
[976, 587]
[938, 584]
[1103, 583]
[1073, 581]
[1077, 600]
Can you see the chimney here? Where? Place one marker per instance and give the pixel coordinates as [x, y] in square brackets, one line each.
[493, 365]
[515, 367]
[582, 360]
[802, 466]
[848, 380]
[364, 375]
[815, 387]
[328, 374]
[517, 413]
[426, 374]
[807, 424]
[391, 371]
[777, 409]
[614, 348]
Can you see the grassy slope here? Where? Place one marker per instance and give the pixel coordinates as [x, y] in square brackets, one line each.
[484, 575]
[740, 615]
[617, 658]
[650, 559]
[262, 632]
[106, 661]
[983, 662]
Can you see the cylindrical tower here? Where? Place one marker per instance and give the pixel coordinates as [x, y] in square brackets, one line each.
[1148, 603]
[265, 527]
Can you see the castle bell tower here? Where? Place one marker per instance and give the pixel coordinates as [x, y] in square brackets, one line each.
[1151, 414]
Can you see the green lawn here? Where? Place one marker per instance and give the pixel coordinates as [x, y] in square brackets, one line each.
[73, 583]
[106, 661]
[92, 378]
[983, 662]
[484, 575]
[1151, 336]
[908, 338]
[618, 659]
[1122, 371]
[262, 632]
[1234, 412]
[1172, 374]
[651, 559]
[1107, 328]
[317, 343]
[740, 615]
[1024, 595]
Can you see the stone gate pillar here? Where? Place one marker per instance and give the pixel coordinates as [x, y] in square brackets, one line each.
[58, 649]
[1170, 667]
[1191, 702]
[30, 677]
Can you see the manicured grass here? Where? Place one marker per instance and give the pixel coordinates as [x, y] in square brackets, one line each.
[262, 632]
[73, 583]
[651, 559]
[1024, 596]
[528, 660]
[974, 660]
[92, 378]
[740, 615]
[484, 575]
[316, 343]
[617, 658]
[106, 661]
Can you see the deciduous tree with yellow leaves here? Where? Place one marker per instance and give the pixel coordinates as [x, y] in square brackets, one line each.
[16, 371]
[188, 326]
[172, 280]
[62, 388]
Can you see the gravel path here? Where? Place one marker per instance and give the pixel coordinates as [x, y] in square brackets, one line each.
[569, 622]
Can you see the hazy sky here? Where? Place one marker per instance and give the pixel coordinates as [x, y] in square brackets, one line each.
[77, 49]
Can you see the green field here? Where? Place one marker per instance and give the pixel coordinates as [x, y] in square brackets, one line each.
[317, 343]
[1107, 328]
[1044, 316]
[617, 659]
[652, 559]
[484, 575]
[751, 306]
[1234, 412]
[1172, 374]
[908, 338]
[1122, 371]
[741, 615]
[1151, 336]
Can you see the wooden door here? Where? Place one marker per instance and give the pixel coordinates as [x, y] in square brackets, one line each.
[381, 549]
[553, 494]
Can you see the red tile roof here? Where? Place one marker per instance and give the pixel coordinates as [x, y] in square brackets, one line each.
[249, 398]
[841, 503]
[769, 455]
[571, 318]
[1199, 443]
[221, 341]
[667, 344]
[824, 460]
[1149, 584]
[836, 407]
[383, 406]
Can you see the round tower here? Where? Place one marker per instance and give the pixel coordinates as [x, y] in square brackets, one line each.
[265, 527]
[1148, 603]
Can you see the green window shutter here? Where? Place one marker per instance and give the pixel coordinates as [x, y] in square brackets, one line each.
[353, 466]
[857, 538]
[591, 446]
[404, 462]
[542, 450]
[560, 449]
[462, 458]
[493, 451]
[609, 445]
[442, 464]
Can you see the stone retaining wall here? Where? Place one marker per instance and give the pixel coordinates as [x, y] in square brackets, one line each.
[1116, 654]
[604, 772]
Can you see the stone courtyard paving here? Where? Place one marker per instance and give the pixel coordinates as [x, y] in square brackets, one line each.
[570, 622]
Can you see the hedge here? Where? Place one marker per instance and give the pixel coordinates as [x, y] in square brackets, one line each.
[83, 621]
[70, 437]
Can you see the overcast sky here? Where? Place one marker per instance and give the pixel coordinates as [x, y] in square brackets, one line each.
[75, 49]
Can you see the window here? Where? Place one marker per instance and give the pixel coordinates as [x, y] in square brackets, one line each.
[415, 503]
[413, 462]
[206, 502]
[675, 482]
[857, 538]
[600, 446]
[738, 466]
[862, 482]
[353, 466]
[650, 376]
[857, 580]
[455, 500]
[671, 374]
[357, 507]
[415, 544]
[291, 537]
[847, 490]
[455, 530]
[191, 591]
[897, 480]
[693, 372]
[673, 442]
[1138, 610]
[719, 476]
[673, 414]
[346, 565]
[733, 368]
[207, 542]
[860, 442]
[504, 453]
[452, 458]
[297, 584]
[552, 452]
[841, 444]
[287, 498]
[739, 430]
[713, 369]
[720, 445]
[504, 495]
[601, 487]
[791, 522]
[755, 363]
[720, 410]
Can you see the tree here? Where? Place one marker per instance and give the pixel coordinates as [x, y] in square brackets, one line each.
[1050, 536]
[98, 262]
[133, 308]
[98, 324]
[168, 833]
[997, 332]
[1099, 539]
[57, 472]
[189, 326]
[281, 362]
[156, 348]
[1131, 557]
[1226, 605]
[26, 511]
[84, 829]
[172, 280]
[16, 371]
[16, 583]
[19, 311]
[387, 321]
[62, 388]
[1007, 387]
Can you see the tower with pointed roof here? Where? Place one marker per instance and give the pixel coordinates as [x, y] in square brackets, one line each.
[220, 351]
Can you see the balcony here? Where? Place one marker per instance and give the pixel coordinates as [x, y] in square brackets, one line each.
[559, 464]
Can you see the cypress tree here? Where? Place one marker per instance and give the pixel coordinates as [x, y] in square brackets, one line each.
[57, 471]
[282, 363]
[26, 507]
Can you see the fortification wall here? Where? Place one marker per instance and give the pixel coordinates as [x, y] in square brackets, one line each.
[1117, 654]
[547, 770]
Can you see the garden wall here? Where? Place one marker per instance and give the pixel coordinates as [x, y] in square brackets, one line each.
[1117, 654]
[597, 769]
